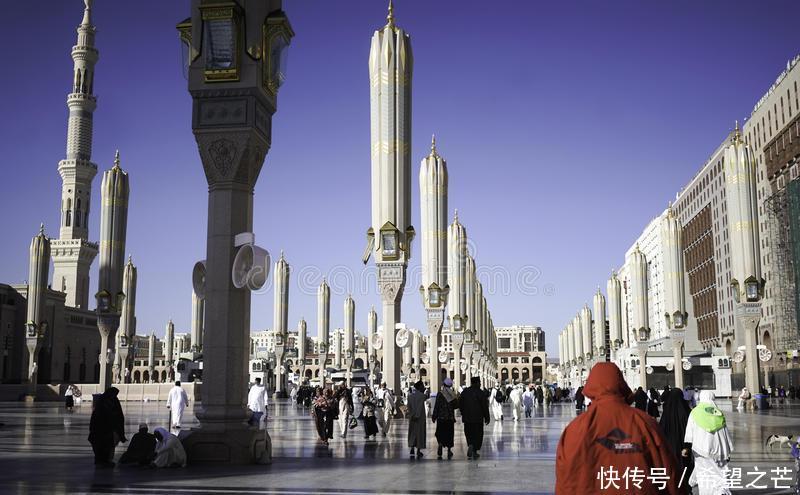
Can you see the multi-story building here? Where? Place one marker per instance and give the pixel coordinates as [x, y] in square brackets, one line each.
[521, 356]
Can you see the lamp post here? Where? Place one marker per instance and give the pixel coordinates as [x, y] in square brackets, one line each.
[746, 281]
[236, 53]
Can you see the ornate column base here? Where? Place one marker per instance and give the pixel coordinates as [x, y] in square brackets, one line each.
[227, 443]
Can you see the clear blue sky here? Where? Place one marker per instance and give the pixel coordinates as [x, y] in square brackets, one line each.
[566, 125]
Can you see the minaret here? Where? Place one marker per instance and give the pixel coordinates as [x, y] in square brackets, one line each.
[280, 321]
[151, 356]
[746, 282]
[72, 252]
[127, 321]
[114, 194]
[169, 347]
[457, 298]
[674, 288]
[599, 303]
[36, 325]
[391, 233]
[641, 319]
[302, 337]
[323, 326]
[372, 354]
[433, 213]
[349, 334]
[614, 291]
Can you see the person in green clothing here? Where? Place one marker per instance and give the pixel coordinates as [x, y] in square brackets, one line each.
[711, 445]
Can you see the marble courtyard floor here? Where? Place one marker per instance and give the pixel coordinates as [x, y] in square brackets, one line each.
[43, 449]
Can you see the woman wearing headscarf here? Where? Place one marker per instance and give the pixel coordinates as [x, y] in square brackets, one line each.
[368, 409]
[673, 424]
[744, 396]
[416, 419]
[323, 412]
[711, 445]
[444, 416]
[169, 450]
[653, 402]
[106, 426]
[579, 400]
[640, 399]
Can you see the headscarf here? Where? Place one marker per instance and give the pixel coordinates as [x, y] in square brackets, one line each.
[448, 382]
[164, 437]
[706, 430]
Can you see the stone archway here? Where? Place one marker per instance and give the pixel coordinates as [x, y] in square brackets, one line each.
[526, 375]
[504, 375]
[309, 374]
[728, 347]
[137, 377]
[146, 376]
[358, 364]
[515, 374]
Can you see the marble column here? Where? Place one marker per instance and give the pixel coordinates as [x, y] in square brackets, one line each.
[349, 336]
[640, 313]
[433, 181]
[456, 305]
[302, 337]
[280, 323]
[114, 194]
[169, 350]
[674, 290]
[614, 291]
[586, 333]
[127, 323]
[746, 279]
[151, 356]
[372, 353]
[323, 327]
[38, 275]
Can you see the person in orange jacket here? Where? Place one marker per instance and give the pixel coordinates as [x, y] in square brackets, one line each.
[612, 447]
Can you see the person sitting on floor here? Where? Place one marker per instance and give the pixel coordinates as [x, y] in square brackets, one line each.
[169, 450]
[142, 448]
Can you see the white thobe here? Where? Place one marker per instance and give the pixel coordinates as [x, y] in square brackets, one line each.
[516, 403]
[256, 399]
[497, 408]
[169, 452]
[176, 403]
[386, 413]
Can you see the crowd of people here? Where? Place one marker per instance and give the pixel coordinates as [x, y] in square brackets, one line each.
[690, 437]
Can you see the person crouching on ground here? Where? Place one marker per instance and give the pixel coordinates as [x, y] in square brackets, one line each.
[608, 435]
[169, 450]
[142, 448]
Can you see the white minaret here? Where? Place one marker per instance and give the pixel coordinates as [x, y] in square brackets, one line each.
[614, 291]
[599, 303]
[433, 213]
[72, 252]
[372, 354]
[151, 356]
[323, 326]
[457, 297]
[674, 291]
[641, 319]
[746, 281]
[36, 325]
[114, 193]
[302, 337]
[280, 321]
[586, 333]
[391, 233]
[169, 348]
[127, 321]
[349, 335]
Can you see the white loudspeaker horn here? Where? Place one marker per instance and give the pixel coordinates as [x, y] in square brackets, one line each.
[250, 267]
[377, 341]
[199, 279]
[402, 338]
[425, 358]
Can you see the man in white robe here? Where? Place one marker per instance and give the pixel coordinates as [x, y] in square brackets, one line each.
[527, 401]
[177, 400]
[257, 403]
[516, 402]
[386, 413]
[496, 403]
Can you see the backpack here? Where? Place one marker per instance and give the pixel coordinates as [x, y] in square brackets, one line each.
[498, 396]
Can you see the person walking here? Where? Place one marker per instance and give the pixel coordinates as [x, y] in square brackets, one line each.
[368, 410]
[579, 401]
[444, 416]
[177, 400]
[640, 399]
[539, 394]
[69, 401]
[527, 401]
[611, 434]
[323, 412]
[497, 398]
[474, 407]
[257, 403]
[386, 408]
[106, 426]
[673, 423]
[744, 396]
[416, 419]
[711, 446]
[516, 402]
[344, 399]
[653, 403]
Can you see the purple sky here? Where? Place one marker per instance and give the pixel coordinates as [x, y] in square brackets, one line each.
[566, 126]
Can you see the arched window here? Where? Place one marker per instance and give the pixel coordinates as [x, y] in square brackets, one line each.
[146, 376]
[504, 375]
[137, 376]
[358, 364]
[78, 213]
[515, 374]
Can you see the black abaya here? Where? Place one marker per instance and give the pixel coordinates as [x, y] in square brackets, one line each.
[673, 423]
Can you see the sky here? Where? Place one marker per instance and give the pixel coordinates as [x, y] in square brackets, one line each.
[566, 126]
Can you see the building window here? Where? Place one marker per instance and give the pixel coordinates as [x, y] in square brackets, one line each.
[504, 343]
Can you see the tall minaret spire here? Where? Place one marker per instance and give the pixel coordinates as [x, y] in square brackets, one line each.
[72, 253]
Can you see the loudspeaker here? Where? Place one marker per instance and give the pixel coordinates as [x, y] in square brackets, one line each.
[377, 341]
[199, 279]
[250, 267]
